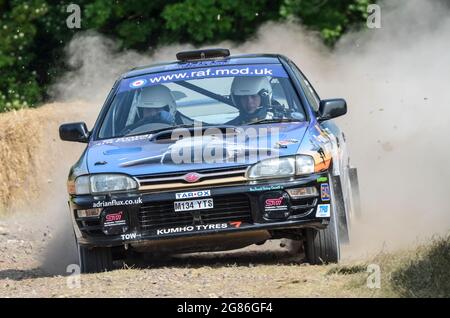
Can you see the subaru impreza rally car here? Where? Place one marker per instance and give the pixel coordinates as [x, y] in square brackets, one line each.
[211, 152]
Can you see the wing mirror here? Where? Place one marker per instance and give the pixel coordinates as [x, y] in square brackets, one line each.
[332, 108]
[74, 132]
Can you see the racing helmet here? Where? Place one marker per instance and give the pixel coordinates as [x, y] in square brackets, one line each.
[157, 96]
[251, 85]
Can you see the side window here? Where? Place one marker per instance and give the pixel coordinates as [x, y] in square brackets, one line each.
[311, 95]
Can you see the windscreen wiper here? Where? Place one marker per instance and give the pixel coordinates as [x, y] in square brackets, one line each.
[274, 120]
[161, 129]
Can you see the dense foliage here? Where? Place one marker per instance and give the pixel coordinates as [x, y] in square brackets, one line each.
[34, 32]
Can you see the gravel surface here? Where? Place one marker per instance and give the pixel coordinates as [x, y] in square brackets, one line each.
[268, 270]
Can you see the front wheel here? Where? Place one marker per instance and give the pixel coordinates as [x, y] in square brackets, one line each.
[95, 259]
[323, 246]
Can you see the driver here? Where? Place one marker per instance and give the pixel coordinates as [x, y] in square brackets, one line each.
[156, 105]
[252, 96]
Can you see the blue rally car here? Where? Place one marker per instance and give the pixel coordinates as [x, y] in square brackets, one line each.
[211, 152]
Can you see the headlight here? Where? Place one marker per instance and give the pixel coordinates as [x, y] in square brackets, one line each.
[272, 168]
[101, 183]
[304, 165]
[281, 167]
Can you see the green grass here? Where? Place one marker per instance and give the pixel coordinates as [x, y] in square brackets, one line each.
[423, 271]
[426, 272]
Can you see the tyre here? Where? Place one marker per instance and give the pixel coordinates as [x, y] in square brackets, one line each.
[323, 246]
[95, 260]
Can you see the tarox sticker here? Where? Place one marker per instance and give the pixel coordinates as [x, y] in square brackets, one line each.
[193, 194]
[325, 192]
[323, 211]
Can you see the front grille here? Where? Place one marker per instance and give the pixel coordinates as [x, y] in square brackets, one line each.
[90, 226]
[208, 177]
[226, 209]
[302, 207]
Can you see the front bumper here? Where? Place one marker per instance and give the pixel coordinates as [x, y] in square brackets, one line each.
[239, 208]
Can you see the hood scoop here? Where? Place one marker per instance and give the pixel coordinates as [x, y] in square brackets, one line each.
[165, 137]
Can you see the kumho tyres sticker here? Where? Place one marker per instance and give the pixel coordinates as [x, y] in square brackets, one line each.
[323, 211]
[275, 70]
[198, 228]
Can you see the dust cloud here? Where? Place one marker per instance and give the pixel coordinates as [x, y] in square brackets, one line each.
[395, 81]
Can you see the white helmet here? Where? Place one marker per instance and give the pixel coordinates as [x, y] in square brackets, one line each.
[251, 85]
[157, 96]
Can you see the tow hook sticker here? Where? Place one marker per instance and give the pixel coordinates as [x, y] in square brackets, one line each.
[130, 236]
[193, 194]
[323, 211]
[325, 192]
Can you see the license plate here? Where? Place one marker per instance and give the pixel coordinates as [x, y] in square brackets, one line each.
[193, 205]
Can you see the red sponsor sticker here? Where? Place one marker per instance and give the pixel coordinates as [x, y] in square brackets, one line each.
[114, 217]
[274, 201]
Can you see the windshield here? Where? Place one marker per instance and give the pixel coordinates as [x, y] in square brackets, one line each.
[227, 95]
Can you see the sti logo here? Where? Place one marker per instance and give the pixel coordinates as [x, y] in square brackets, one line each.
[114, 217]
[274, 202]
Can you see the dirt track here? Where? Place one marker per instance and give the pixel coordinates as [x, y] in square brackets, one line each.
[264, 271]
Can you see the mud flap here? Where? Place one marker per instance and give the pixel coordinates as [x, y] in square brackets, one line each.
[340, 210]
[353, 174]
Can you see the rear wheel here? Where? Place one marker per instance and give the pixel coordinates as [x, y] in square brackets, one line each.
[96, 259]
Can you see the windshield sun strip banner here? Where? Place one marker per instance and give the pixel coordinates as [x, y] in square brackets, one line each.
[274, 70]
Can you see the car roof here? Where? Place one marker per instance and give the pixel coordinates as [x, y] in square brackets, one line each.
[179, 65]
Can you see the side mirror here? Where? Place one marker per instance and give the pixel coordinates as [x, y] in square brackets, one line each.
[332, 108]
[74, 132]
